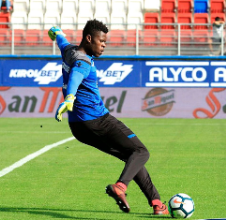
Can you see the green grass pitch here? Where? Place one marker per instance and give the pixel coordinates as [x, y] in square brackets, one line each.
[68, 182]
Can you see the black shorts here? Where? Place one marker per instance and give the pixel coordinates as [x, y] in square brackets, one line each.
[107, 134]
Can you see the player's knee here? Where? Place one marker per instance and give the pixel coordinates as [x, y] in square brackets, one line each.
[144, 153]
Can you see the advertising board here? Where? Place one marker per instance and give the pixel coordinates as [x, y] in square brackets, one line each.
[121, 102]
[118, 73]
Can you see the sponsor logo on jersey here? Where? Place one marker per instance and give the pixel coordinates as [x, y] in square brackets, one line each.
[116, 73]
[51, 72]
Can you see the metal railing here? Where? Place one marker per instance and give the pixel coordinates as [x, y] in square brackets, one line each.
[143, 39]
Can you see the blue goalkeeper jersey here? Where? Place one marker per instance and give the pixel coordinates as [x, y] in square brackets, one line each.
[80, 79]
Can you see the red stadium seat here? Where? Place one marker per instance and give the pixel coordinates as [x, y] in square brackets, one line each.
[201, 36]
[4, 18]
[78, 37]
[150, 37]
[4, 37]
[116, 37]
[168, 37]
[33, 37]
[19, 37]
[186, 37]
[168, 6]
[46, 41]
[217, 6]
[152, 18]
[186, 6]
[185, 18]
[214, 15]
[70, 35]
[201, 18]
[131, 38]
[169, 19]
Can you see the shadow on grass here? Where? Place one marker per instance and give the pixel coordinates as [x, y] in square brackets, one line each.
[54, 213]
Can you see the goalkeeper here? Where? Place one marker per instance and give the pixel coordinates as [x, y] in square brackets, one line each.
[91, 123]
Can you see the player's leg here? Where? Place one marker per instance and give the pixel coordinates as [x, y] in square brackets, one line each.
[146, 185]
[84, 132]
[115, 141]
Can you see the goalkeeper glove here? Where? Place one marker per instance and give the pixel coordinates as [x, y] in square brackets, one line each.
[54, 31]
[65, 106]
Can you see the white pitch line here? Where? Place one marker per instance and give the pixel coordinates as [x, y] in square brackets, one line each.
[32, 156]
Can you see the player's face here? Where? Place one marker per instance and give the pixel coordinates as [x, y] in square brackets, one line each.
[98, 43]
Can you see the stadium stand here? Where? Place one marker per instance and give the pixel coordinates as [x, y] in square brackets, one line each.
[157, 21]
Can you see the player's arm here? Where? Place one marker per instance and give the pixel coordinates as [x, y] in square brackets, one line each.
[79, 71]
[55, 33]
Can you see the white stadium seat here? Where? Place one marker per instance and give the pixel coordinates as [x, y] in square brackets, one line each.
[19, 20]
[70, 7]
[86, 11]
[21, 5]
[82, 19]
[86, 7]
[37, 6]
[135, 14]
[103, 6]
[51, 19]
[135, 20]
[119, 7]
[118, 14]
[135, 6]
[68, 21]
[35, 20]
[103, 11]
[152, 5]
[118, 22]
[54, 6]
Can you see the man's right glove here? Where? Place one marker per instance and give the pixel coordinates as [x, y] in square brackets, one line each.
[54, 31]
[65, 106]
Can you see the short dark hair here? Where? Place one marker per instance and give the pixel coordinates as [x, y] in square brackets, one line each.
[217, 19]
[93, 26]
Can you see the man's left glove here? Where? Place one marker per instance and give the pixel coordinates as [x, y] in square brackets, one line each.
[65, 106]
[54, 31]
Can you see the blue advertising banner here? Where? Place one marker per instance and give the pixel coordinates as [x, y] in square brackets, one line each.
[118, 73]
[184, 74]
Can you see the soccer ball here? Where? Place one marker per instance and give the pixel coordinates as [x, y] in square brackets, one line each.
[181, 206]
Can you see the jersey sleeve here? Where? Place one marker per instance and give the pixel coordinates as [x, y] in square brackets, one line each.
[79, 71]
[61, 42]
